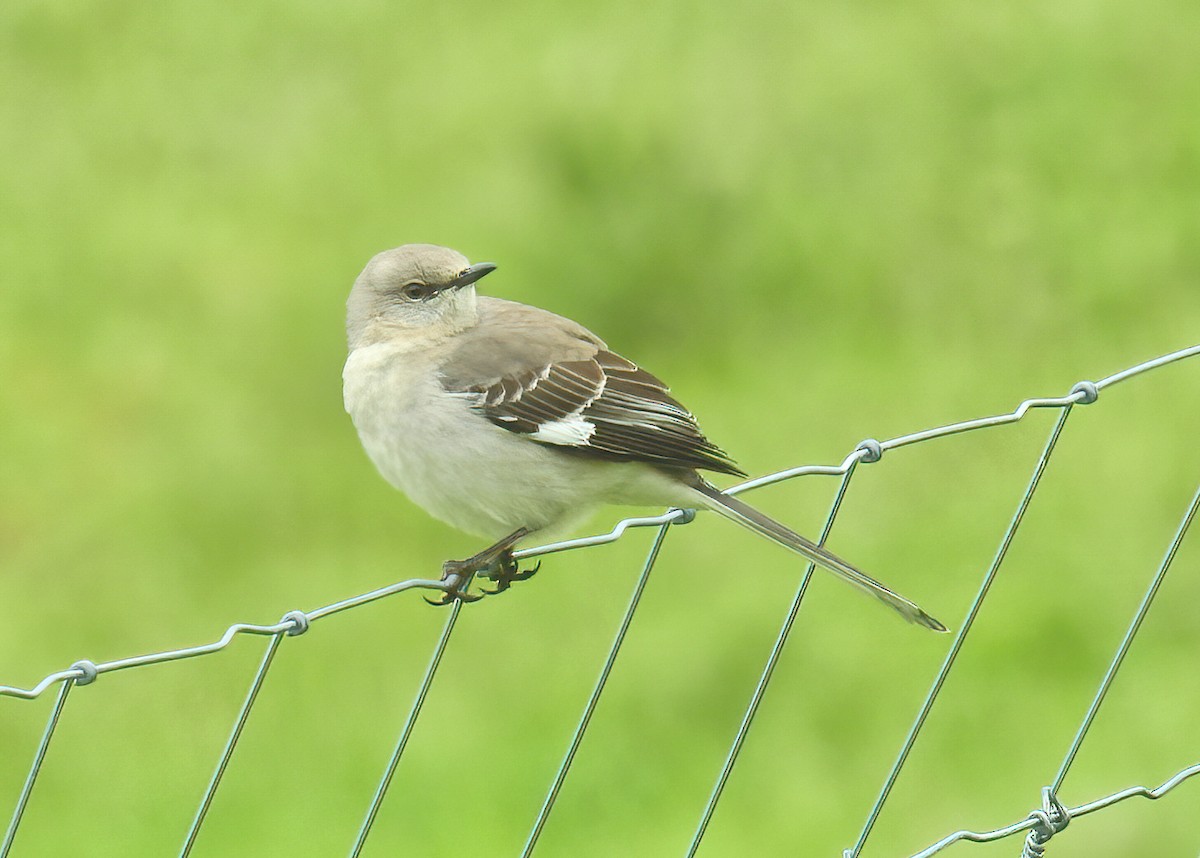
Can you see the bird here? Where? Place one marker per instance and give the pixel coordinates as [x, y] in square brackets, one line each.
[505, 420]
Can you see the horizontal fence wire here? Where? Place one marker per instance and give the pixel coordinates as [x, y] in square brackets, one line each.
[1052, 815]
[1041, 824]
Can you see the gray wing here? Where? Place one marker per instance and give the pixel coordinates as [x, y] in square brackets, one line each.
[543, 376]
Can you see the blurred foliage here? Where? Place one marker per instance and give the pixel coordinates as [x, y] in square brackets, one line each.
[821, 221]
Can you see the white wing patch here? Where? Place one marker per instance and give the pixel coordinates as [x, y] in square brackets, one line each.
[571, 431]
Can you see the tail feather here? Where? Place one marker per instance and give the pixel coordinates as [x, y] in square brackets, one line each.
[747, 516]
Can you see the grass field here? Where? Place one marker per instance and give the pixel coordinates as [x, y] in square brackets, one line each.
[822, 222]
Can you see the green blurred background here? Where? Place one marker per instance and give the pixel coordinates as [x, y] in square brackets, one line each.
[822, 222]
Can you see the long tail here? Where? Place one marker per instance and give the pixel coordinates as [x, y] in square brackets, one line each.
[749, 517]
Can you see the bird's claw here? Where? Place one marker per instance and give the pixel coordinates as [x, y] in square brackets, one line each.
[449, 597]
[456, 588]
[507, 573]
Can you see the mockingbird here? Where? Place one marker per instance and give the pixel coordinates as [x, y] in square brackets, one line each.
[505, 420]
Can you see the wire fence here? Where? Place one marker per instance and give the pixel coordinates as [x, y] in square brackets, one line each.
[1043, 823]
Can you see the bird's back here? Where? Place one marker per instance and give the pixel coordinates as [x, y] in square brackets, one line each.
[511, 339]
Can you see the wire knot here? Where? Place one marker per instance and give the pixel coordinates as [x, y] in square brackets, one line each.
[871, 449]
[299, 621]
[683, 516]
[1051, 818]
[1087, 391]
[87, 671]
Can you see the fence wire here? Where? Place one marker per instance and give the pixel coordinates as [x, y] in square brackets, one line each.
[1041, 824]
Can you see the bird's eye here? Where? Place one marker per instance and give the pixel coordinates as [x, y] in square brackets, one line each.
[414, 291]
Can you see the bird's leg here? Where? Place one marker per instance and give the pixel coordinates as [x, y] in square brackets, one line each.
[494, 562]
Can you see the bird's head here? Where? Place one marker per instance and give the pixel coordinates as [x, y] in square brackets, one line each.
[421, 288]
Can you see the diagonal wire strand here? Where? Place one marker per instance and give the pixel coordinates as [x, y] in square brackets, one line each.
[386, 780]
[39, 756]
[1126, 642]
[764, 679]
[961, 635]
[239, 723]
[561, 775]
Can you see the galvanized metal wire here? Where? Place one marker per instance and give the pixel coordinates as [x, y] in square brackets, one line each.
[238, 725]
[409, 723]
[590, 708]
[959, 637]
[764, 678]
[35, 767]
[1045, 822]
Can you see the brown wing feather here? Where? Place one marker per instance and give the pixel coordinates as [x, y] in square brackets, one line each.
[617, 410]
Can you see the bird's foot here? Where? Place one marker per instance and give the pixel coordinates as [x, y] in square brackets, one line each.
[506, 572]
[457, 576]
[495, 563]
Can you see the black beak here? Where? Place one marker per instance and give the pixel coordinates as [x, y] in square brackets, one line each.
[469, 275]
